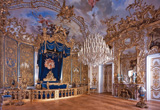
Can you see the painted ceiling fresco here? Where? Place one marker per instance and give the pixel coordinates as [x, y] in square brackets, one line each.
[86, 8]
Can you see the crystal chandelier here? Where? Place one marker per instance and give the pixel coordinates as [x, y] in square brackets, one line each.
[95, 51]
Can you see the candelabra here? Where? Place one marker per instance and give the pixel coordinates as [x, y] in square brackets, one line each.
[95, 51]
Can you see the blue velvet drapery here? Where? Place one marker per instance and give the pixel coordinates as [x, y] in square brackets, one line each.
[57, 52]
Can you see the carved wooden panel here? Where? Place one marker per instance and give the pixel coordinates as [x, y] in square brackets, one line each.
[155, 78]
[11, 47]
[67, 70]
[27, 63]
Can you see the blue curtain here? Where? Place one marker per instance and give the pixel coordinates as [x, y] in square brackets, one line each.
[60, 51]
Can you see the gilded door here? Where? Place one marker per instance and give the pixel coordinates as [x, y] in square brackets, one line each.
[108, 78]
[155, 78]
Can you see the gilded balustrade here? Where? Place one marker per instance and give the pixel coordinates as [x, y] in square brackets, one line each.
[26, 94]
[33, 95]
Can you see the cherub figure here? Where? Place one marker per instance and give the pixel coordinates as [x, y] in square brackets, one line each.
[45, 21]
[66, 12]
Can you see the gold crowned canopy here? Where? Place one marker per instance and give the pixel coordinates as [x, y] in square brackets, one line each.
[58, 36]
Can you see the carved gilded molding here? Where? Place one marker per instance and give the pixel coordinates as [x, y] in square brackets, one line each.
[28, 38]
[138, 20]
[129, 40]
[66, 12]
[135, 29]
[59, 36]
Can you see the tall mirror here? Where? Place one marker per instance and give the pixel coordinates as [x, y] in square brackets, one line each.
[128, 65]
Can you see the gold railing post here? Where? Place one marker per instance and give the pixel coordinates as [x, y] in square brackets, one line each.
[75, 91]
[56, 94]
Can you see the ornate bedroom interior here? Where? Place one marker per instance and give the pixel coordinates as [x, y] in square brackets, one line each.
[79, 54]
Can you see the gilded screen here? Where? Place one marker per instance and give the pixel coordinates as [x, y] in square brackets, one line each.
[84, 78]
[26, 63]
[67, 70]
[76, 70]
[10, 61]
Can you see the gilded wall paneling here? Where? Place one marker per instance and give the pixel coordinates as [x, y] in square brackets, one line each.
[95, 77]
[76, 70]
[67, 70]
[84, 74]
[11, 61]
[26, 53]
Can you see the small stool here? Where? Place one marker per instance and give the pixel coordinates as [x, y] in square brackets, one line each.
[7, 99]
[93, 89]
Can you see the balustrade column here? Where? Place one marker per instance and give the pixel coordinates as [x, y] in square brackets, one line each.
[75, 91]
[56, 94]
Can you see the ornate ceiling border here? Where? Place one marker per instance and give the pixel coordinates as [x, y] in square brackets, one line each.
[143, 17]
[54, 5]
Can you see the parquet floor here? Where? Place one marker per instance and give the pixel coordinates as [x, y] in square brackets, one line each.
[85, 102]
